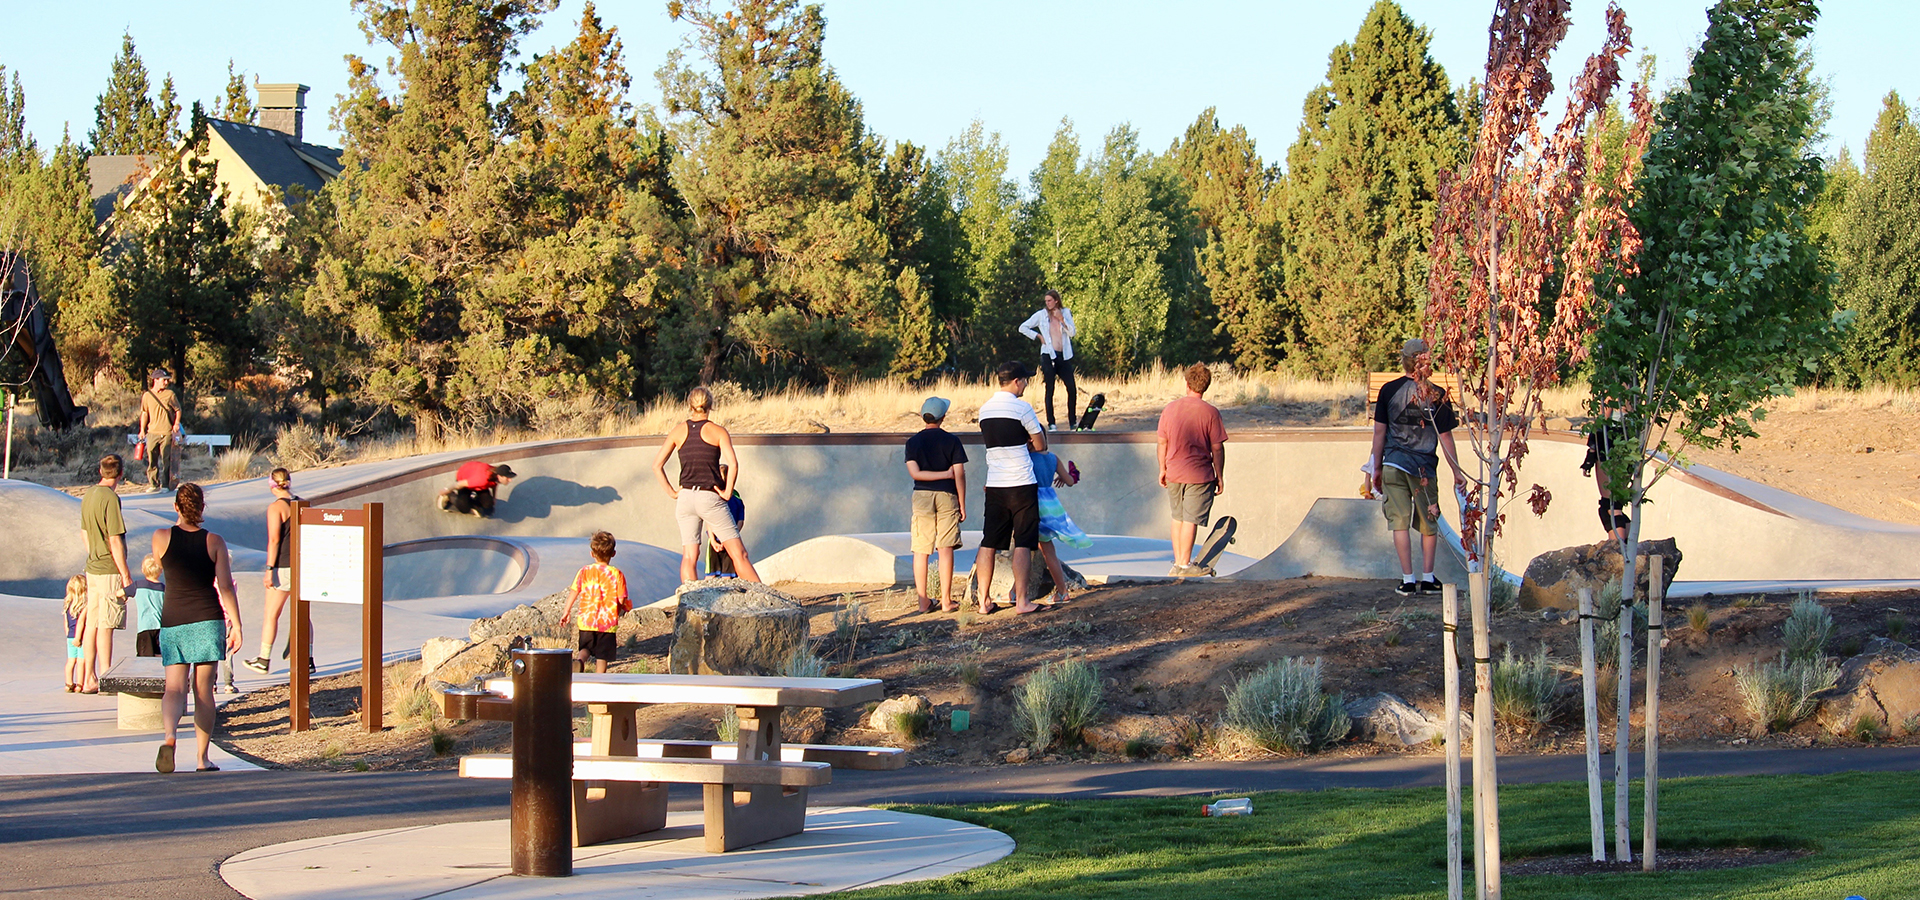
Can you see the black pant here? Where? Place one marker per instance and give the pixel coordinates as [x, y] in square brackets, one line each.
[466, 500]
[1050, 367]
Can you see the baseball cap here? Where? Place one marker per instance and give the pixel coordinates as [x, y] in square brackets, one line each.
[1413, 347]
[935, 407]
[504, 471]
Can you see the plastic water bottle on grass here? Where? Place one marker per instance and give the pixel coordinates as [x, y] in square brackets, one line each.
[1237, 807]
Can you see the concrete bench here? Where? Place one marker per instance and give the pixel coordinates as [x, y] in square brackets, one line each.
[870, 759]
[139, 681]
[665, 771]
[208, 441]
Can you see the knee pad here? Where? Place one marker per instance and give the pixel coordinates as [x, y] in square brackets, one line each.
[1606, 514]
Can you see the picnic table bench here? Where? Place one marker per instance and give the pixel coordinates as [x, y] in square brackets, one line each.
[208, 441]
[754, 788]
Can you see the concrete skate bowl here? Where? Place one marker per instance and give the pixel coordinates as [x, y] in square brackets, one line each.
[44, 545]
[455, 566]
[798, 487]
[887, 558]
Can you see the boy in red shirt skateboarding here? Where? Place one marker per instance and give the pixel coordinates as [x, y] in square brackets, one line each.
[473, 488]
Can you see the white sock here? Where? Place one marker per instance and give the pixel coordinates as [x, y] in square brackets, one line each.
[1428, 577]
[1406, 577]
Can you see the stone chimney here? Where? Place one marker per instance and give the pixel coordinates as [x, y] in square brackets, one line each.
[283, 107]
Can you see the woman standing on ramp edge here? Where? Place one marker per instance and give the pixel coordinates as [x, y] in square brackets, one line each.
[708, 471]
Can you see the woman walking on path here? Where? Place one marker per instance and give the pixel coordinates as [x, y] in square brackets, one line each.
[199, 623]
[279, 576]
[708, 472]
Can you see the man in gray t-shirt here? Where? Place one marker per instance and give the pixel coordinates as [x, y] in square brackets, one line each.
[1411, 420]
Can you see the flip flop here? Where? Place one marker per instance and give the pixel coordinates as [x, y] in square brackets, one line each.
[208, 768]
[90, 691]
[72, 688]
[163, 762]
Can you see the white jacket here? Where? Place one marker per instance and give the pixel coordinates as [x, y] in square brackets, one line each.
[1035, 327]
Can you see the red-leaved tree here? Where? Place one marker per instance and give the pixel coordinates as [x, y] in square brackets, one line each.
[1523, 229]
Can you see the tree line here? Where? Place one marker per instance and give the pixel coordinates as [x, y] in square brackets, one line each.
[510, 235]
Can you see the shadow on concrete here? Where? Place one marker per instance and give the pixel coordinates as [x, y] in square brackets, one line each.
[536, 497]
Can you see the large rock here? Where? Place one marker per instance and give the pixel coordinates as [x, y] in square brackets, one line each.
[889, 714]
[726, 626]
[435, 653]
[1039, 580]
[1554, 578]
[1388, 719]
[484, 659]
[1138, 735]
[525, 621]
[1881, 684]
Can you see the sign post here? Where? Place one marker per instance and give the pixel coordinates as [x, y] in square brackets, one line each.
[337, 559]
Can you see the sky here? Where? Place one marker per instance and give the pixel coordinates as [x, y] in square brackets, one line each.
[924, 70]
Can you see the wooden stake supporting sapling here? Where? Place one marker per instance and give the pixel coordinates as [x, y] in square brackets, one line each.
[1622, 727]
[1450, 647]
[1590, 706]
[1650, 815]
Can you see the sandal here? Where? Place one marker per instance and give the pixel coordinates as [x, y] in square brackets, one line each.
[163, 761]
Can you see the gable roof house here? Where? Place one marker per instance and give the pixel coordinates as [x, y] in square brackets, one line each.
[256, 164]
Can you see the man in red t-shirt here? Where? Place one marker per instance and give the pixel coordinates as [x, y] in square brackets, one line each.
[1193, 461]
[473, 487]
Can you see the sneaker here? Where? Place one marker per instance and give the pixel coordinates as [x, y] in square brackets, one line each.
[1429, 586]
[258, 664]
[311, 668]
[446, 502]
[1407, 588]
[1179, 571]
[1051, 428]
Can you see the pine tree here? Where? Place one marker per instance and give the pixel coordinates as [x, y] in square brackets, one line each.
[235, 106]
[1360, 195]
[780, 175]
[125, 120]
[1878, 253]
[182, 275]
[1234, 198]
[17, 146]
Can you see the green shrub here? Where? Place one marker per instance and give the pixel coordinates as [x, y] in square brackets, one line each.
[728, 728]
[1527, 689]
[803, 664]
[235, 463]
[443, 743]
[1057, 702]
[1282, 707]
[1808, 628]
[1778, 695]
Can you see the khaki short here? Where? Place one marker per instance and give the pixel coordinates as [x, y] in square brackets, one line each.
[1407, 501]
[106, 601]
[697, 507]
[1190, 502]
[936, 521]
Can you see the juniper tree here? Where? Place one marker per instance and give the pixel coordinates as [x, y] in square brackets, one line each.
[126, 120]
[1361, 192]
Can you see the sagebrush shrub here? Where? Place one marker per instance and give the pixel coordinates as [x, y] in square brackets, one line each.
[1526, 689]
[1282, 707]
[1778, 695]
[1057, 703]
[1808, 628]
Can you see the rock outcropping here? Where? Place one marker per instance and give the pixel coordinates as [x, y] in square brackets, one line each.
[1554, 578]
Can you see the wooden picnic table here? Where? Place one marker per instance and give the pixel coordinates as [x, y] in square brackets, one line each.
[755, 788]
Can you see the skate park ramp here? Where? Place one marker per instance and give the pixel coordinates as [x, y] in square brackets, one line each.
[1348, 538]
[887, 558]
[471, 576]
[45, 546]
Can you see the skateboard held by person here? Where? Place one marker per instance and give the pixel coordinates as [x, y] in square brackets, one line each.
[1216, 543]
[1092, 413]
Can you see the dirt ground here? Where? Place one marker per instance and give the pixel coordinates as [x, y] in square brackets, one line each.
[1165, 653]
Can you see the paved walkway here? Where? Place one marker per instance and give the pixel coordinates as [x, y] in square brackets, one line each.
[117, 836]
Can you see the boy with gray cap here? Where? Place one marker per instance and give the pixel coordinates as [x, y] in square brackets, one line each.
[1411, 419]
[937, 464]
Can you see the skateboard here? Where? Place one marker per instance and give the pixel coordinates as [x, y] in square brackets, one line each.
[1216, 542]
[1092, 413]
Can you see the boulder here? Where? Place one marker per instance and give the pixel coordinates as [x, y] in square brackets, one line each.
[483, 659]
[1390, 720]
[726, 626]
[1882, 683]
[1554, 578]
[1141, 735]
[523, 620]
[1017, 755]
[435, 652]
[888, 715]
[1039, 580]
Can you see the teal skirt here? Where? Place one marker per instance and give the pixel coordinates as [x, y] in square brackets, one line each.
[194, 642]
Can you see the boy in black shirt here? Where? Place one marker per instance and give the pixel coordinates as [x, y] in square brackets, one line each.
[937, 464]
[1411, 421]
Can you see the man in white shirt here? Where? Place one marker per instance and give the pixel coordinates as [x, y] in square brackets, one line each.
[1008, 427]
[1053, 328]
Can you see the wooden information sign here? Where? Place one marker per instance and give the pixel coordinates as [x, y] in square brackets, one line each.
[337, 559]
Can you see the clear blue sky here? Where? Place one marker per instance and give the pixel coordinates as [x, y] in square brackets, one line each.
[924, 70]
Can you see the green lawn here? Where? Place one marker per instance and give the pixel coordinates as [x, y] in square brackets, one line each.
[1864, 830]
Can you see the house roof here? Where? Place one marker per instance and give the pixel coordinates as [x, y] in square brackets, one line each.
[111, 177]
[274, 157]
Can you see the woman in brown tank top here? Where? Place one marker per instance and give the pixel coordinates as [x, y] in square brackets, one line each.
[708, 471]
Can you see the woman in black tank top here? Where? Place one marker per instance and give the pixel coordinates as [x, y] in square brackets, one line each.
[708, 471]
[199, 621]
